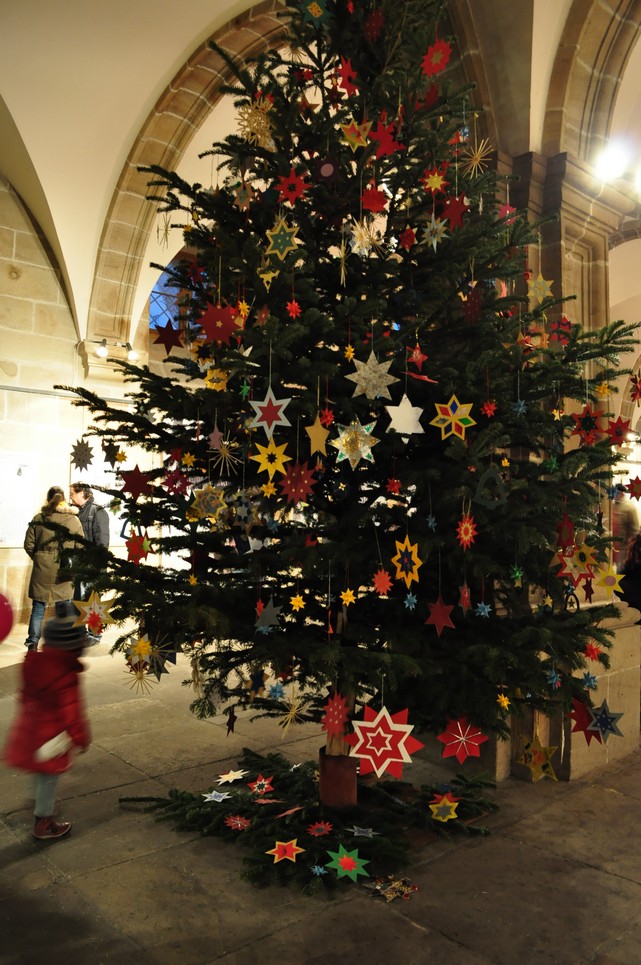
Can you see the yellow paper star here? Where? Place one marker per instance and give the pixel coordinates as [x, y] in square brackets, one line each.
[121, 456]
[406, 561]
[271, 458]
[349, 352]
[537, 758]
[188, 459]
[356, 134]
[268, 489]
[602, 390]
[443, 807]
[285, 850]
[297, 602]
[347, 596]
[317, 436]
[557, 413]
[503, 701]
[193, 580]
[505, 462]
[216, 379]
[539, 288]
[282, 239]
[609, 580]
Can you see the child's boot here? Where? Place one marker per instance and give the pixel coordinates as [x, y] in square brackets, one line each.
[46, 829]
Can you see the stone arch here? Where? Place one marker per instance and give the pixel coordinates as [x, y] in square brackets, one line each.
[596, 43]
[179, 113]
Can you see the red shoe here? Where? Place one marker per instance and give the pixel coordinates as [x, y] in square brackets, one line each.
[46, 829]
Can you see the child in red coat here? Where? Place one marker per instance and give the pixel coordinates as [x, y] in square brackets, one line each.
[51, 719]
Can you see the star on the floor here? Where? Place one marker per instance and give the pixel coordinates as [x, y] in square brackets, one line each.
[230, 776]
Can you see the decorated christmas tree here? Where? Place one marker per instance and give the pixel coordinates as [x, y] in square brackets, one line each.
[381, 455]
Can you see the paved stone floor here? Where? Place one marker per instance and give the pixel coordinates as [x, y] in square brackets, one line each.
[558, 880]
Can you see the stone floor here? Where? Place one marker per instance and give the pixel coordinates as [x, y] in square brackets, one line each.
[558, 880]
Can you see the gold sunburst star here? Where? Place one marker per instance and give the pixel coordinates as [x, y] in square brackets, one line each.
[476, 158]
[347, 596]
[268, 489]
[349, 352]
[603, 390]
[271, 458]
[503, 701]
[407, 561]
[297, 602]
[208, 503]
[355, 442]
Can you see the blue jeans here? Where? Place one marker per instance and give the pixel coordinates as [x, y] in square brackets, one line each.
[45, 786]
[35, 623]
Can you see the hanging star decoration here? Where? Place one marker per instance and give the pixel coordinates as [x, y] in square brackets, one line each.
[440, 615]
[82, 454]
[437, 58]
[282, 239]
[336, 715]
[356, 134]
[138, 547]
[453, 418]
[609, 579]
[220, 322]
[583, 717]
[209, 502]
[604, 721]
[285, 850]
[586, 426]
[383, 742]
[465, 598]
[110, 452]
[434, 232]
[292, 187]
[139, 658]
[405, 418]
[539, 289]
[317, 436]
[407, 561]
[634, 488]
[347, 863]
[355, 442]
[372, 378]
[461, 740]
[93, 612]
[466, 530]
[297, 482]
[269, 413]
[476, 157]
[136, 483]
[297, 602]
[618, 430]
[271, 458]
[537, 759]
[443, 807]
[167, 336]
[382, 582]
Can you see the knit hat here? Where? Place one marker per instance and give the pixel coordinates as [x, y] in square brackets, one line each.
[60, 632]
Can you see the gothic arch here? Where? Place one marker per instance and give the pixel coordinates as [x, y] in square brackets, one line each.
[596, 43]
[163, 140]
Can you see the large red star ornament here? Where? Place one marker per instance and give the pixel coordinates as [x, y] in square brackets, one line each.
[219, 322]
[454, 209]
[466, 530]
[336, 715]
[373, 199]
[437, 58]
[382, 582]
[635, 387]
[583, 717]
[168, 336]
[292, 187]
[634, 488]
[461, 740]
[285, 850]
[387, 143]
[138, 547]
[269, 413]
[262, 785]
[440, 615]
[298, 482]
[347, 77]
[136, 483]
[586, 426]
[565, 532]
[383, 742]
[618, 431]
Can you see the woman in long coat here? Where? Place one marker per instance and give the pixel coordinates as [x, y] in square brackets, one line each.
[48, 581]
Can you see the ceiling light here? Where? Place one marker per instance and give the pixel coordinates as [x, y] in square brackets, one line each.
[132, 355]
[101, 350]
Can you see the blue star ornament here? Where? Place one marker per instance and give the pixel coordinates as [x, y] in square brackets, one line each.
[589, 681]
[482, 609]
[604, 721]
[217, 796]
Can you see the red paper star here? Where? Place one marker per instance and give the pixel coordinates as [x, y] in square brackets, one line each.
[387, 143]
[167, 336]
[262, 785]
[437, 58]
[586, 425]
[382, 582]
[237, 822]
[293, 308]
[440, 615]
[588, 591]
[461, 740]
[592, 651]
[298, 482]
[433, 179]
[374, 25]
[320, 828]
[617, 431]
[407, 238]
[489, 408]
[394, 486]
[373, 199]
[292, 187]
[326, 417]
[634, 488]
[138, 547]
[465, 598]
[416, 357]
[336, 715]
[347, 77]
[454, 209]
[560, 330]
[383, 742]
[136, 483]
[565, 532]
[219, 323]
[583, 717]
[466, 530]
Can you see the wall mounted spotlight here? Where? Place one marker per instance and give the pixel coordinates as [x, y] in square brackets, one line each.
[101, 349]
[132, 355]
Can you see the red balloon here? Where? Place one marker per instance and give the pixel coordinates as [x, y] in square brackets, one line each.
[6, 617]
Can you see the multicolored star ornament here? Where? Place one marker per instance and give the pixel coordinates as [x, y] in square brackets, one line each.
[405, 418]
[461, 740]
[372, 378]
[383, 742]
[440, 615]
[586, 426]
[355, 442]
[604, 721]
[453, 418]
[282, 239]
[443, 807]
[269, 413]
[208, 503]
[583, 717]
[271, 458]
[94, 612]
[609, 579]
[537, 759]
[285, 850]
[347, 863]
[466, 530]
[407, 561]
[262, 785]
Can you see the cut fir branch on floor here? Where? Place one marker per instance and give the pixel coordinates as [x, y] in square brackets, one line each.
[353, 473]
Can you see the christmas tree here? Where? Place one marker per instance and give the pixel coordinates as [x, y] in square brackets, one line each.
[379, 460]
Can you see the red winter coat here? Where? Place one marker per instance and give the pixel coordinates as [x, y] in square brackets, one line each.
[50, 702]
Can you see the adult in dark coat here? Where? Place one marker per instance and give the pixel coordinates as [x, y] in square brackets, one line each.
[48, 581]
[51, 719]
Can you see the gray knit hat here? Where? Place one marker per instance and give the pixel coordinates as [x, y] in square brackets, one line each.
[60, 632]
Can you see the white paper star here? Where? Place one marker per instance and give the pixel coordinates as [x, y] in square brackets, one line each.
[269, 413]
[405, 417]
[231, 776]
[216, 796]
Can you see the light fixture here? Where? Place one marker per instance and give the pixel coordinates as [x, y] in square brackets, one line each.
[101, 349]
[132, 355]
[613, 162]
